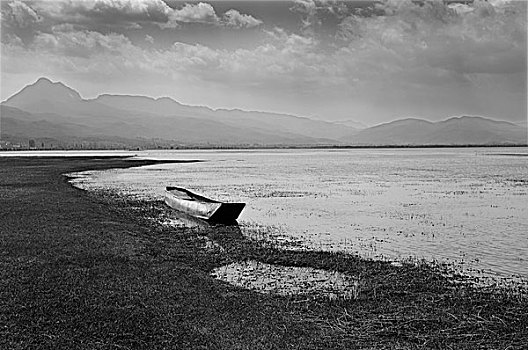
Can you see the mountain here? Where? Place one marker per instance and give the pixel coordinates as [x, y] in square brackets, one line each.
[134, 117]
[180, 130]
[43, 91]
[47, 109]
[352, 123]
[45, 96]
[475, 130]
[263, 122]
[523, 123]
[465, 130]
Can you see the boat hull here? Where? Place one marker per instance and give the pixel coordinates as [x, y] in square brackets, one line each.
[201, 207]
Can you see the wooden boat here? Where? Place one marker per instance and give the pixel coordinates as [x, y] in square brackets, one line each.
[204, 208]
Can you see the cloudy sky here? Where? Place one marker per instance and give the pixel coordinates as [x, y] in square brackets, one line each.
[334, 60]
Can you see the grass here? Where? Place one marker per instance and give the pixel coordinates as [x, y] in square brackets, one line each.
[85, 271]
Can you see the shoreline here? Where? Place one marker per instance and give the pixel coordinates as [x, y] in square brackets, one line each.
[270, 147]
[84, 272]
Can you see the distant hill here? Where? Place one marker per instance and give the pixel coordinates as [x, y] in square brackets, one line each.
[18, 127]
[52, 110]
[523, 123]
[163, 118]
[22, 124]
[353, 123]
[465, 130]
[274, 123]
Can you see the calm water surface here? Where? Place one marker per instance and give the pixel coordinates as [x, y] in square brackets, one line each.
[462, 205]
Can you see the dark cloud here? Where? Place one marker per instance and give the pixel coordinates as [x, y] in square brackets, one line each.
[18, 14]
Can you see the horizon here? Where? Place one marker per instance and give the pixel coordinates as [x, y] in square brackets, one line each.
[362, 61]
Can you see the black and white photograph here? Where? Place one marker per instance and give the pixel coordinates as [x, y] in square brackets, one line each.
[263, 174]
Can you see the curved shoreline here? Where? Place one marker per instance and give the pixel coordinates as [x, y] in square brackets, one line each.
[83, 272]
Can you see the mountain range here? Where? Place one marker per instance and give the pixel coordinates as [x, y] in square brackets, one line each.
[52, 112]
[465, 130]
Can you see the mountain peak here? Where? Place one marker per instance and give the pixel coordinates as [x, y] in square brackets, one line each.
[32, 97]
[168, 100]
[46, 83]
[466, 117]
[165, 98]
[43, 80]
[473, 119]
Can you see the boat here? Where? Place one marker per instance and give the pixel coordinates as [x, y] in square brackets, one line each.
[204, 208]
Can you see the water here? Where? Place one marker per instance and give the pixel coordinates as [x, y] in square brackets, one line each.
[464, 205]
[289, 280]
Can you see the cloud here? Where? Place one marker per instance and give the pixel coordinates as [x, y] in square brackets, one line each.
[205, 13]
[84, 44]
[108, 12]
[414, 45]
[12, 40]
[309, 12]
[314, 13]
[149, 39]
[235, 19]
[460, 8]
[200, 13]
[287, 62]
[145, 10]
[18, 14]
[131, 13]
[63, 27]
[285, 59]
[486, 39]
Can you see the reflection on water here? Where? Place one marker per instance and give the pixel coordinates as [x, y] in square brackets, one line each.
[465, 205]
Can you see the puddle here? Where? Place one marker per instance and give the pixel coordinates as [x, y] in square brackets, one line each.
[288, 280]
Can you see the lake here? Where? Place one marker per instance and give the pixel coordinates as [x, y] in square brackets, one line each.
[463, 205]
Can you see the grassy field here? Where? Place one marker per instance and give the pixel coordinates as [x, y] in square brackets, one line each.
[88, 271]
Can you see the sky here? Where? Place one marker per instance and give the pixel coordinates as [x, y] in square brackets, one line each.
[368, 61]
